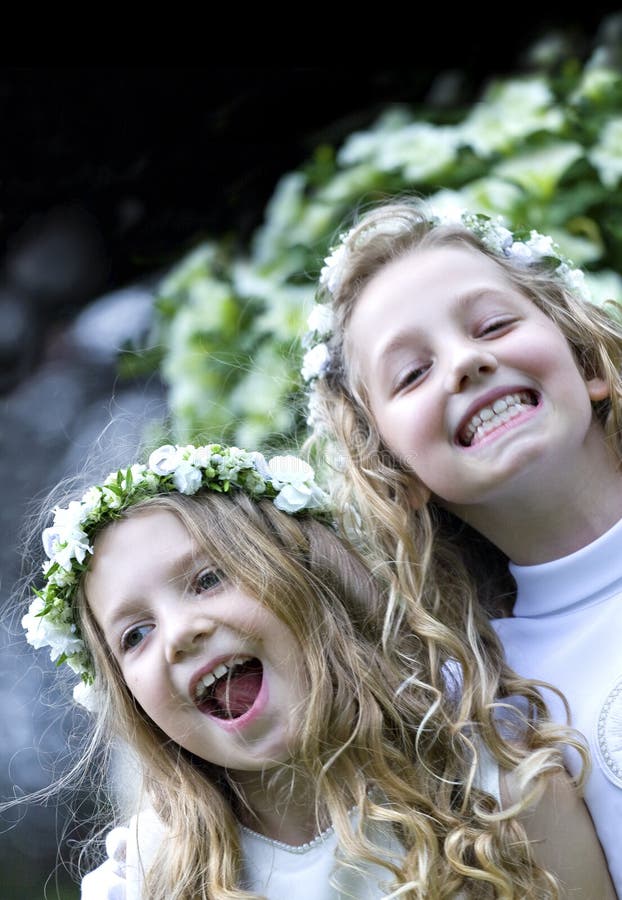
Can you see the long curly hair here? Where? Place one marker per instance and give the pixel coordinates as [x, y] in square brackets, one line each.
[375, 734]
[444, 578]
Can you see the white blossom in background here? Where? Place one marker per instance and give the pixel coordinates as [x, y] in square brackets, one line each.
[606, 155]
[543, 152]
[538, 172]
[509, 112]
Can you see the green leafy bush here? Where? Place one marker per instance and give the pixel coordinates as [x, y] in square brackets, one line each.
[544, 149]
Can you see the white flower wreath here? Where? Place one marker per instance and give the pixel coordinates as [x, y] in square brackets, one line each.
[524, 247]
[68, 542]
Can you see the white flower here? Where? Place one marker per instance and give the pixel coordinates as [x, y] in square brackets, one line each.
[164, 460]
[289, 470]
[201, 456]
[61, 577]
[111, 498]
[606, 156]
[46, 631]
[489, 128]
[32, 624]
[195, 265]
[538, 172]
[260, 463]
[520, 253]
[315, 362]
[51, 538]
[321, 319]
[598, 81]
[294, 497]
[541, 245]
[91, 500]
[295, 480]
[187, 478]
[315, 417]
[576, 282]
[330, 273]
[420, 150]
[63, 546]
[86, 695]
[604, 285]
[449, 212]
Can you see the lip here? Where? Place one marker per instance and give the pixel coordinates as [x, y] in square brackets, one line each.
[488, 399]
[246, 718]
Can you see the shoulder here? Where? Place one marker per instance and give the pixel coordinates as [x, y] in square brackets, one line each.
[145, 835]
[130, 851]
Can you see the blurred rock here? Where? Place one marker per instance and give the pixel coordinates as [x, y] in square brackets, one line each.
[20, 337]
[65, 417]
[112, 322]
[58, 258]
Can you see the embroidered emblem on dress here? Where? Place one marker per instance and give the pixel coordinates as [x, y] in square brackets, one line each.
[609, 735]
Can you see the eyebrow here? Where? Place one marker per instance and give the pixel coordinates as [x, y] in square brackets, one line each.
[462, 302]
[125, 609]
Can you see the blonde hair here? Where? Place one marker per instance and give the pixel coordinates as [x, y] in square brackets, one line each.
[435, 562]
[445, 579]
[374, 735]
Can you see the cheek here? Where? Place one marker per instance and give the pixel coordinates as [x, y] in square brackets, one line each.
[146, 692]
[409, 427]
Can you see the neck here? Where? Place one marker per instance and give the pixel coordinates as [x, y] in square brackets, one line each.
[281, 807]
[555, 515]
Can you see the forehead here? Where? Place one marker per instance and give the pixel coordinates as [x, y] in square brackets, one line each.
[420, 283]
[146, 538]
[156, 526]
[444, 270]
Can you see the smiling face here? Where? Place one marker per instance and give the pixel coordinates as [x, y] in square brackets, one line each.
[471, 386]
[216, 670]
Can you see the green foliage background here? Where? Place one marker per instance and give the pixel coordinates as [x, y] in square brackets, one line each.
[543, 148]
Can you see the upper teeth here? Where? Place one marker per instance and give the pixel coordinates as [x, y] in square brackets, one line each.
[490, 417]
[207, 680]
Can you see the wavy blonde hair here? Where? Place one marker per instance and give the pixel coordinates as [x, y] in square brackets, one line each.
[444, 578]
[413, 541]
[375, 734]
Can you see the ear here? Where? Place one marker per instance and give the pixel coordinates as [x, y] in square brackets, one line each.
[598, 389]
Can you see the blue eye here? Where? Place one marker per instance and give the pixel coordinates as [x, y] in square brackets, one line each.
[208, 579]
[134, 636]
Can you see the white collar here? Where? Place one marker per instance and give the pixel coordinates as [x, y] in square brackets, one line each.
[586, 576]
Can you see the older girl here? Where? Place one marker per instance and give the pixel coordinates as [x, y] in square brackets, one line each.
[470, 398]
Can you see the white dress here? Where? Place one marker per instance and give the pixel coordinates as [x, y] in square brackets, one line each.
[567, 630]
[272, 869]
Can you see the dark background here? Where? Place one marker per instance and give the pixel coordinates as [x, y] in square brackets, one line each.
[162, 156]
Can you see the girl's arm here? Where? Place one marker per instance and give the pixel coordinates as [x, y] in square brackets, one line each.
[564, 840]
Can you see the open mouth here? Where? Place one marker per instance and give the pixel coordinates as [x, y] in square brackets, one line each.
[231, 689]
[497, 414]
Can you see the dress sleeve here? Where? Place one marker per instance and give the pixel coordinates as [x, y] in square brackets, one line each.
[488, 776]
[107, 882]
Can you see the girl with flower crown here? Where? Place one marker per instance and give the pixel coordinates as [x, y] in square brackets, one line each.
[467, 396]
[225, 632]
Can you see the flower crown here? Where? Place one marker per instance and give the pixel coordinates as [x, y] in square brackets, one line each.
[50, 621]
[524, 247]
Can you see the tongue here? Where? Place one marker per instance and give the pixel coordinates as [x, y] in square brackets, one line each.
[236, 694]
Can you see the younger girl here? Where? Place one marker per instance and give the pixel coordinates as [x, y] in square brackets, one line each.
[473, 398]
[225, 632]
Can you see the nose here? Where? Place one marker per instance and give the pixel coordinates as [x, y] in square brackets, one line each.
[468, 364]
[185, 633]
